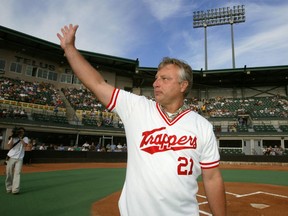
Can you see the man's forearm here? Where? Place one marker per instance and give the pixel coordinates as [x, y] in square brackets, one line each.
[215, 193]
[87, 74]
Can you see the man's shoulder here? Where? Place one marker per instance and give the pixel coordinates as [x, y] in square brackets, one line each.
[135, 99]
[198, 117]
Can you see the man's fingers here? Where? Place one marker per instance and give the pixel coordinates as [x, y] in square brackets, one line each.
[75, 28]
[64, 30]
[67, 33]
[59, 36]
[70, 28]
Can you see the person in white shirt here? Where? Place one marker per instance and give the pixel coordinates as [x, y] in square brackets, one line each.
[17, 143]
[86, 146]
[168, 144]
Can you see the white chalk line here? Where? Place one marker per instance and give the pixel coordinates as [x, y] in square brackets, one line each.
[238, 196]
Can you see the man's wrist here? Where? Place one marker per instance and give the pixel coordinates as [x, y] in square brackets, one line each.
[69, 49]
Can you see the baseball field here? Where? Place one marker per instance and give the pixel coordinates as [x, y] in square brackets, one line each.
[79, 189]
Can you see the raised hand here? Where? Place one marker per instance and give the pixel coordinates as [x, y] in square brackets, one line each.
[68, 36]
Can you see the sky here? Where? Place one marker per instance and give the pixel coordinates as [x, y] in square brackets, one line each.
[152, 29]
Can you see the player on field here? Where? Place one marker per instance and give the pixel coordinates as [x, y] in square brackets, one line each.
[168, 145]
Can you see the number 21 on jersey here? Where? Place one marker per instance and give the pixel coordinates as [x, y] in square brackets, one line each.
[185, 166]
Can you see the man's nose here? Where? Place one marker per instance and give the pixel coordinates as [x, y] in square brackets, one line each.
[155, 83]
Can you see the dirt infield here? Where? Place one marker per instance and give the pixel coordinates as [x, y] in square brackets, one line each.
[243, 199]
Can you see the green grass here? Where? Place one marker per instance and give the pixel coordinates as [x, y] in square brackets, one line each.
[72, 192]
[255, 176]
[61, 192]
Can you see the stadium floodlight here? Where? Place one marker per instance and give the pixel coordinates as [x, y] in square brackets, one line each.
[219, 16]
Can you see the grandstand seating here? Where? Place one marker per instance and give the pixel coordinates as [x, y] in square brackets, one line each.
[217, 128]
[242, 128]
[90, 111]
[50, 118]
[91, 122]
[30, 92]
[82, 99]
[231, 151]
[264, 128]
[283, 128]
[260, 107]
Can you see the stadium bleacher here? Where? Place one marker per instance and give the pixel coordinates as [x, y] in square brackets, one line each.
[92, 113]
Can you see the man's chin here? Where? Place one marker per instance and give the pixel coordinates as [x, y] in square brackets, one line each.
[158, 98]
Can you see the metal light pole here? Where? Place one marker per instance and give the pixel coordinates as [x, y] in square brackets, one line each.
[232, 42]
[206, 50]
[220, 16]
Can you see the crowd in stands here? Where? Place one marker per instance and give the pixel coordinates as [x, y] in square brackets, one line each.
[82, 99]
[217, 107]
[275, 106]
[15, 113]
[85, 147]
[94, 114]
[29, 92]
[277, 150]
[112, 147]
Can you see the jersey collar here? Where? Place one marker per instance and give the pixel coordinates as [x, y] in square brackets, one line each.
[172, 119]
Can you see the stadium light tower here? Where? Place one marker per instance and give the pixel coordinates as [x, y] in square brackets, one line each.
[219, 16]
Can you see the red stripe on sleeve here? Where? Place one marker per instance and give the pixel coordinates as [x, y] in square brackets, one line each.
[111, 105]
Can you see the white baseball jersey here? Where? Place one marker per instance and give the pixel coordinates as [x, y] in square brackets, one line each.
[164, 157]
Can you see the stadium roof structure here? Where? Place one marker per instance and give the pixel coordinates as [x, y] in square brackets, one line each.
[11, 39]
[144, 76]
[228, 78]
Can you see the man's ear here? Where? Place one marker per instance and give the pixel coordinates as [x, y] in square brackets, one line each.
[184, 85]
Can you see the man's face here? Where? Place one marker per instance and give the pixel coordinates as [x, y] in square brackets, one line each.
[167, 87]
[21, 132]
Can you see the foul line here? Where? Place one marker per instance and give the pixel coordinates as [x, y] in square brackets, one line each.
[258, 192]
[238, 196]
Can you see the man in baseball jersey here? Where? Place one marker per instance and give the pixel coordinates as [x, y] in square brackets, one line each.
[168, 145]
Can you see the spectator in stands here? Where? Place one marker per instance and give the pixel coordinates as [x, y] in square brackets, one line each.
[272, 151]
[120, 125]
[112, 147]
[268, 150]
[108, 147]
[84, 114]
[278, 150]
[119, 146]
[42, 147]
[102, 149]
[86, 146]
[61, 148]
[92, 147]
[71, 148]
[233, 128]
[56, 110]
[124, 147]
[98, 147]
[23, 114]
